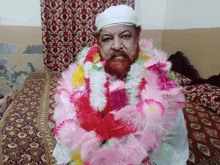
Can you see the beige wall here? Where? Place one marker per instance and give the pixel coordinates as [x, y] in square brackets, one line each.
[201, 46]
[21, 37]
[156, 35]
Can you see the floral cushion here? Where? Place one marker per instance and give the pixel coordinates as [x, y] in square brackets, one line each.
[182, 80]
[206, 95]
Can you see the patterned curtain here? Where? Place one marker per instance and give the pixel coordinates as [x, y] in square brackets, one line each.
[67, 27]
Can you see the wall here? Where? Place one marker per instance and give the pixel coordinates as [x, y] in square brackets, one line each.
[190, 14]
[151, 16]
[178, 14]
[151, 13]
[21, 37]
[20, 13]
[20, 26]
[14, 68]
[193, 27]
[200, 45]
[162, 20]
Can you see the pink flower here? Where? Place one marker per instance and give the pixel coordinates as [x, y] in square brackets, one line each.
[75, 96]
[161, 69]
[61, 90]
[101, 64]
[165, 82]
[152, 108]
[118, 99]
[117, 85]
[146, 43]
[87, 163]
[91, 53]
[158, 67]
[70, 133]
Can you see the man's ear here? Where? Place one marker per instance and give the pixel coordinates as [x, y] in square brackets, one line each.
[138, 31]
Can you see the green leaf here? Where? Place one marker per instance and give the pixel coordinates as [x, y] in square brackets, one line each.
[167, 148]
[70, 162]
[138, 62]
[100, 68]
[108, 143]
[171, 75]
[95, 67]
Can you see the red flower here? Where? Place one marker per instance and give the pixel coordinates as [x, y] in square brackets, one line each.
[106, 127]
[91, 53]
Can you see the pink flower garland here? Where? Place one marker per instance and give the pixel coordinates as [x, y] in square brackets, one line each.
[134, 118]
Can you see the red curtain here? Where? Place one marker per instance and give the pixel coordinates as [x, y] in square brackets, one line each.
[67, 27]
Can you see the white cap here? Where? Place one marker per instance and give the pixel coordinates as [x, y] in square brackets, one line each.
[114, 15]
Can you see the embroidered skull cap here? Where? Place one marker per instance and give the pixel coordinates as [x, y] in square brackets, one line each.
[116, 15]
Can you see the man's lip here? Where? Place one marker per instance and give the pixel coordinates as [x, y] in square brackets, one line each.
[118, 57]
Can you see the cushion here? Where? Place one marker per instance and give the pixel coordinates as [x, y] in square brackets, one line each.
[181, 79]
[206, 95]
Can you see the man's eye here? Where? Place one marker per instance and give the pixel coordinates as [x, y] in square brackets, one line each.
[106, 39]
[126, 36]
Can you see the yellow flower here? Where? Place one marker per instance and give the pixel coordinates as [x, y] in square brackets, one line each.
[78, 76]
[152, 109]
[143, 55]
[76, 156]
[96, 58]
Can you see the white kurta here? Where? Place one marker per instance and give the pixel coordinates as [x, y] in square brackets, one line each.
[174, 150]
[61, 153]
[175, 147]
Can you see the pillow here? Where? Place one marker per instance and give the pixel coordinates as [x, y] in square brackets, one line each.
[182, 80]
[214, 80]
[205, 95]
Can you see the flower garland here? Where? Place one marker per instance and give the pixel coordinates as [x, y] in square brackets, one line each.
[117, 122]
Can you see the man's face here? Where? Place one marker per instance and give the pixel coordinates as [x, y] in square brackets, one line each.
[118, 46]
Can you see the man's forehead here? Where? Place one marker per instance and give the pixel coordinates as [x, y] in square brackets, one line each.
[117, 29]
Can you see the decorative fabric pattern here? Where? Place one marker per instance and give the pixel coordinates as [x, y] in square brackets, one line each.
[205, 95]
[26, 133]
[182, 80]
[67, 27]
[203, 134]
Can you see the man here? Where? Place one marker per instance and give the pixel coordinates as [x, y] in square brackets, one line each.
[6, 101]
[119, 104]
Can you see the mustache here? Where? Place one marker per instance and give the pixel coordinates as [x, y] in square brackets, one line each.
[118, 54]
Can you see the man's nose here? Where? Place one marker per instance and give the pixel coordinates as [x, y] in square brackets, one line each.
[117, 44]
